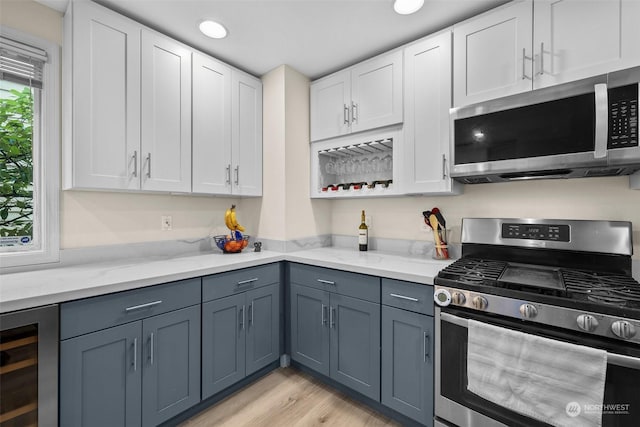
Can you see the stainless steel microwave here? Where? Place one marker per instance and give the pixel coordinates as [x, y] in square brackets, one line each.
[584, 128]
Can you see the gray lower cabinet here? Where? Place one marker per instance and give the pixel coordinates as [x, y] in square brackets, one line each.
[407, 349]
[130, 358]
[335, 325]
[240, 335]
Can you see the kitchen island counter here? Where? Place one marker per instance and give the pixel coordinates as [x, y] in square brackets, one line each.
[65, 283]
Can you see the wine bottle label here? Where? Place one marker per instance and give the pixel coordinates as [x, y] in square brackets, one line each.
[362, 237]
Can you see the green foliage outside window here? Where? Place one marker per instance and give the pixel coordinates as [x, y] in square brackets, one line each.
[16, 163]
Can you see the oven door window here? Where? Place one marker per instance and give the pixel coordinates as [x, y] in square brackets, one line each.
[621, 387]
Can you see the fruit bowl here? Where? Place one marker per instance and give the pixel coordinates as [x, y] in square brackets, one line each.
[232, 244]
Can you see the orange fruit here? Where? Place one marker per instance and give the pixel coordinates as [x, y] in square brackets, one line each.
[244, 244]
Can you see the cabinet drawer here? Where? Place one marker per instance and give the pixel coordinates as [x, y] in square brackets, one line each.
[408, 296]
[337, 281]
[92, 314]
[225, 284]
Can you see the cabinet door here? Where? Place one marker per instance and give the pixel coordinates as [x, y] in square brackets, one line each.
[331, 106]
[211, 126]
[376, 92]
[106, 99]
[223, 343]
[246, 136]
[310, 327]
[407, 361]
[170, 364]
[263, 327]
[492, 54]
[574, 40]
[355, 344]
[100, 378]
[427, 99]
[166, 114]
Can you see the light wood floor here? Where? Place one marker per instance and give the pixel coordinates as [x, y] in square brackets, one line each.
[287, 397]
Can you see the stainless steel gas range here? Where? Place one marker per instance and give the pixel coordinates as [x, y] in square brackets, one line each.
[538, 324]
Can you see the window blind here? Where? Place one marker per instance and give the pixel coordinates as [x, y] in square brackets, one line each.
[21, 63]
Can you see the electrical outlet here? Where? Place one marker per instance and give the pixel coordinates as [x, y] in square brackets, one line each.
[166, 223]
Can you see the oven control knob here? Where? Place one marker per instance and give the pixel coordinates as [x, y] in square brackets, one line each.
[442, 297]
[587, 322]
[528, 311]
[480, 303]
[458, 298]
[623, 329]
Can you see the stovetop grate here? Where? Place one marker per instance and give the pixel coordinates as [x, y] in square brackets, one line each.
[474, 271]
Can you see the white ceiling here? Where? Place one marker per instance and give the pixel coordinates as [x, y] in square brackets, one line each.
[316, 37]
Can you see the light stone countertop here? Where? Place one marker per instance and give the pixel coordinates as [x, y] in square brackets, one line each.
[55, 285]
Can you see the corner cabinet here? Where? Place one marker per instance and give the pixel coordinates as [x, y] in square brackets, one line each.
[530, 44]
[363, 97]
[335, 326]
[427, 98]
[130, 358]
[227, 130]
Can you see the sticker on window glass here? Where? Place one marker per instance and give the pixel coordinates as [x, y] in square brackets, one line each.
[15, 240]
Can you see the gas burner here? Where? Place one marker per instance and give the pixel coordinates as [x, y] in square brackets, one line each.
[474, 271]
[604, 288]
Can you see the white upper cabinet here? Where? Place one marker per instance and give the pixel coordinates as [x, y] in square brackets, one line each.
[102, 124]
[492, 54]
[530, 44]
[575, 40]
[363, 97]
[331, 106]
[166, 114]
[427, 99]
[246, 134]
[211, 126]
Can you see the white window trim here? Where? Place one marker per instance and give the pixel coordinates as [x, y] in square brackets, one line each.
[49, 171]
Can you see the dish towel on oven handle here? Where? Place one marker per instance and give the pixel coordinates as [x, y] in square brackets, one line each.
[545, 379]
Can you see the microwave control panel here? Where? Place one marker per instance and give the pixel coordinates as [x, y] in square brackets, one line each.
[557, 233]
[623, 117]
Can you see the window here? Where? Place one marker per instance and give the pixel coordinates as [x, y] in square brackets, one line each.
[29, 150]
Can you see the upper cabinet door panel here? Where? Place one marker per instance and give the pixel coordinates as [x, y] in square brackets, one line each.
[246, 103]
[106, 99]
[492, 54]
[166, 114]
[376, 92]
[574, 40]
[331, 106]
[211, 126]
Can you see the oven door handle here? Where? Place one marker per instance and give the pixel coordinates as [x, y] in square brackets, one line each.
[612, 358]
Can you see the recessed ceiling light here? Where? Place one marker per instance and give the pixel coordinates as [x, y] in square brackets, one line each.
[407, 7]
[213, 29]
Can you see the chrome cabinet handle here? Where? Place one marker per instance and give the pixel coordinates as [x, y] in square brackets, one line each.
[404, 297]
[444, 166]
[524, 57]
[148, 165]
[135, 163]
[328, 282]
[237, 172]
[426, 344]
[242, 317]
[244, 282]
[354, 113]
[345, 113]
[141, 306]
[332, 320]
[228, 181]
[602, 120]
[251, 313]
[151, 347]
[541, 59]
[135, 354]
[324, 319]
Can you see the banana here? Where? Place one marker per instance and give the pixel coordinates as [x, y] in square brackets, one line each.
[231, 221]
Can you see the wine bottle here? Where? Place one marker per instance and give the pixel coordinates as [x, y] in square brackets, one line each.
[363, 234]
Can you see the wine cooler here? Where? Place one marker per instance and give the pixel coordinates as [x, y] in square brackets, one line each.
[29, 368]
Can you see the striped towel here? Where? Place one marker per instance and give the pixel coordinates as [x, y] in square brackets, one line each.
[544, 379]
